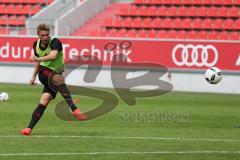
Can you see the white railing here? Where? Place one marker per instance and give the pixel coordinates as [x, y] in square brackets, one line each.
[76, 17]
[49, 14]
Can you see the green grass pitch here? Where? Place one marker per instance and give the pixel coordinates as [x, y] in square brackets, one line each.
[209, 130]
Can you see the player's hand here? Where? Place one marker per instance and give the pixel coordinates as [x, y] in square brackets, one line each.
[33, 58]
[32, 81]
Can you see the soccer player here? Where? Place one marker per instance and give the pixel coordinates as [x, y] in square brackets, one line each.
[49, 65]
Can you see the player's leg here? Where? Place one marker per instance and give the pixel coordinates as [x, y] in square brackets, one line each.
[38, 112]
[60, 85]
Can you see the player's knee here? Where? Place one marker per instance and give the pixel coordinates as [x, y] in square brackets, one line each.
[44, 102]
[45, 99]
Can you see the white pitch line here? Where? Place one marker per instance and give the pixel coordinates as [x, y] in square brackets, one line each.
[116, 137]
[116, 153]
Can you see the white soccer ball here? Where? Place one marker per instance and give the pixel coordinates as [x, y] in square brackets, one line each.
[4, 96]
[213, 75]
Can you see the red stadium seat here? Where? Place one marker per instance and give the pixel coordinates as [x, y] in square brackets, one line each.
[147, 23]
[176, 2]
[26, 9]
[212, 12]
[12, 20]
[162, 11]
[201, 11]
[176, 23]
[207, 23]
[122, 33]
[10, 9]
[93, 33]
[143, 11]
[234, 36]
[35, 9]
[181, 34]
[192, 35]
[236, 2]
[213, 35]
[102, 33]
[152, 34]
[112, 33]
[21, 20]
[19, 9]
[216, 2]
[206, 2]
[187, 2]
[202, 35]
[3, 20]
[4, 31]
[142, 33]
[166, 2]
[166, 23]
[191, 11]
[228, 24]
[172, 11]
[132, 33]
[186, 23]
[236, 24]
[197, 23]
[182, 11]
[133, 10]
[137, 22]
[227, 2]
[196, 2]
[117, 22]
[161, 34]
[127, 22]
[108, 22]
[223, 35]
[36, 1]
[218, 23]
[2, 9]
[171, 34]
[152, 11]
[154, 1]
[124, 10]
[233, 12]
[222, 12]
[156, 23]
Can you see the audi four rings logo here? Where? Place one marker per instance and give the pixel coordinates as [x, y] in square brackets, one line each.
[195, 55]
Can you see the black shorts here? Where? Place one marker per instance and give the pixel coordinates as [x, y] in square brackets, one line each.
[45, 76]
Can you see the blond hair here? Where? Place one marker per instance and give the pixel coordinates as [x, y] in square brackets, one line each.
[43, 27]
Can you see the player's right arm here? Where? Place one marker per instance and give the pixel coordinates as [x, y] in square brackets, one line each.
[36, 67]
[35, 72]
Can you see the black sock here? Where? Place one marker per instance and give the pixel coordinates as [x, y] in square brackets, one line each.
[62, 88]
[36, 115]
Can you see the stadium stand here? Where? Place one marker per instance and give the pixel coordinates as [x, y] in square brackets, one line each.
[184, 19]
[14, 13]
